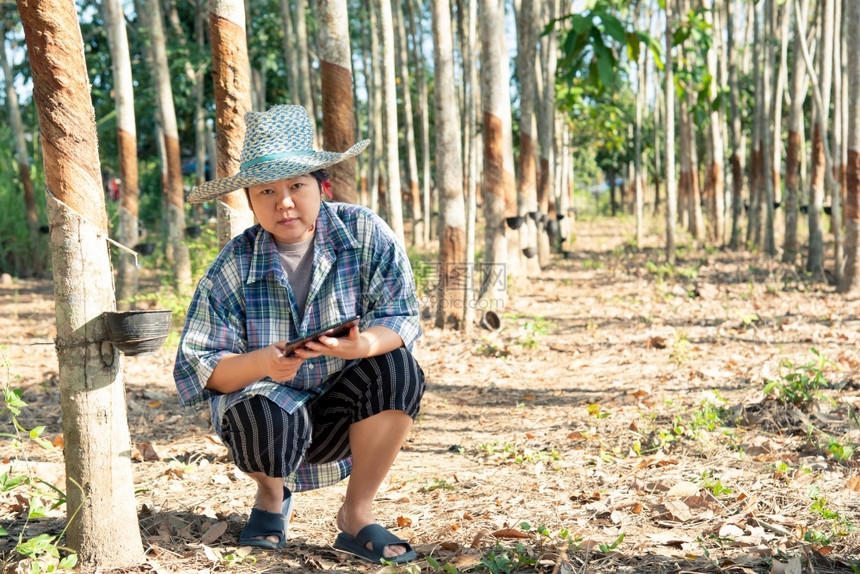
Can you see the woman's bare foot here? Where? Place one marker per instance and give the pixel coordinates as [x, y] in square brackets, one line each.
[352, 521]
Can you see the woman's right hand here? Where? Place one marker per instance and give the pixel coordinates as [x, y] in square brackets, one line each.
[280, 368]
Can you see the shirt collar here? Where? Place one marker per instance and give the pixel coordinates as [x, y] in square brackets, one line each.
[331, 236]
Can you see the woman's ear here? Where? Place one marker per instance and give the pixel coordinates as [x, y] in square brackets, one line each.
[325, 187]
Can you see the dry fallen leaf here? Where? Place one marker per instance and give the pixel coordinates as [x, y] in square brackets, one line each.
[637, 508]
[510, 533]
[854, 483]
[683, 488]
[147, 451]
[58, 441]
[213, 533]
[154, 404]
[678, 510]
[793, 567]
[656, 342]
[404, 521]
[479, 539]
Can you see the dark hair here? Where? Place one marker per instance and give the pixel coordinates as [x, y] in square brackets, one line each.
[321, 175]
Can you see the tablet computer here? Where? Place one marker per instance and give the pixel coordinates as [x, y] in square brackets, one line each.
[339, 329]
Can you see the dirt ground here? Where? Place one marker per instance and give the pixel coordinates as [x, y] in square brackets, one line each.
[617, 422]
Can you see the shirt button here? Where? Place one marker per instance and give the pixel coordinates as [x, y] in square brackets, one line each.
[311, 367]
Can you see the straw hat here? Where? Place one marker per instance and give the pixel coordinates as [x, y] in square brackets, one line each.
[278, 145]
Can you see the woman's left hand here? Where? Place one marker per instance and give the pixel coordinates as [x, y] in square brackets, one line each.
[352, 346]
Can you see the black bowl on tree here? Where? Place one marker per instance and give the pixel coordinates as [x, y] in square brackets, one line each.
[145, 248]
[138, 332]
[514, 222]
[193, 231]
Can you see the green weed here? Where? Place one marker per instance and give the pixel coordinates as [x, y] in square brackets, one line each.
[801, 385]
[43, 550]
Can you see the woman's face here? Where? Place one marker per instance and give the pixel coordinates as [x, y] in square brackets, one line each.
[287, 208]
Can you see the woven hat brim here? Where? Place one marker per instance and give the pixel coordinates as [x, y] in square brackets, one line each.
[272, 171]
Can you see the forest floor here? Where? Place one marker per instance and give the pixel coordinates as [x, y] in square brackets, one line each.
[617, 422]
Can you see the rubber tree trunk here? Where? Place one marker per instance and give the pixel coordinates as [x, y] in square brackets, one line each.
[302, 55]
[851, 278]
[736, 134]
[669, 94]
[289, 49]
[470, 73]
[498, 181]
[199, 109]
[779, 95]
[815, 260]
[376, 141]
[754, 223]
[546, 126]
[231, 76]
[768, 131]
[177, 251]
[103, 527]
[795, 134]
[715, 177]
[449, 175]
[416, 31]
[337, 106]
[414, 193]
[527, 21]
[126, 133]
[637, 144]
[389, 104]
[21, 155]
[836, 147]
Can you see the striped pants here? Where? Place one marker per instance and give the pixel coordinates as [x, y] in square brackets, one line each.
[265, 438]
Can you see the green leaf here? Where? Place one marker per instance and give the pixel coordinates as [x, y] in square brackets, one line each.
[37, 432]
[3, 532]
[680, 35]
[613, 27]
[605, 66]
[580, 24]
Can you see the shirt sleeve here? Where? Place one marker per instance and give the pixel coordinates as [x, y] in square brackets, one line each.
[391, 300]
[214, 327]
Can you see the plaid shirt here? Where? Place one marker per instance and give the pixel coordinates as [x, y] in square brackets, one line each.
[244, 302]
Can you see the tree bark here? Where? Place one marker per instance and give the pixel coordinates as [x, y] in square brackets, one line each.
[103, 527]
[424, 117]
[546, 136]
[637, 144]
[290, 56]
[389, 104]
[414, 187]
[127, 277]
[779, 95]
[377, 163]
[815, 260]
[21, 154]
[305, 91]
[768, 128]
[715, 181]
[449, 176]
[177, 251]
[669, 94]
[736, 135]
[498, 177]
[471, 157]
[795, 133]
[337, 104]
[528, 18]
[231, 76]
[836, 147]
[851, 278]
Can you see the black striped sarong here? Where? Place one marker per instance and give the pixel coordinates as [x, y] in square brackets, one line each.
[263, 437]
